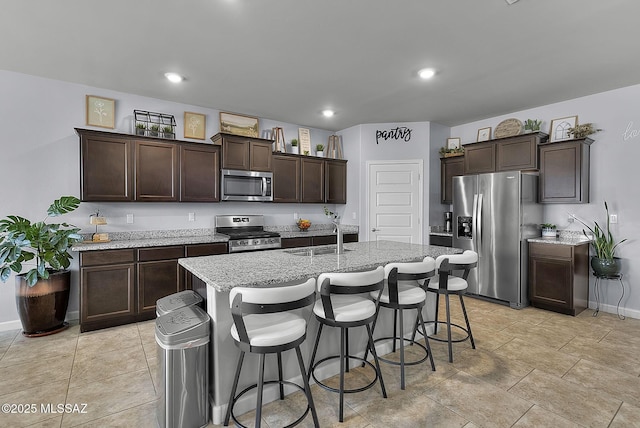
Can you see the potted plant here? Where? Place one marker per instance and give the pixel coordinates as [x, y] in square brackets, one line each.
[294, 146]
[604, 263]
[42, 293]
[167, 132]
[447, 153]
[532, 125]
[320, 150]
[548, 230]
[140, 128]
[583, 131]
[153, 130]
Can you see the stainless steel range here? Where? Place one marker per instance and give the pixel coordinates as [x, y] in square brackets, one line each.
[246, 233]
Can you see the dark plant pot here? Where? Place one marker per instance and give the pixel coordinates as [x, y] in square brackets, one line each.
[140, 131]
[43, 307]
[604, 267]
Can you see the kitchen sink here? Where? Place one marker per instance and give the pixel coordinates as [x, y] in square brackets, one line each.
[314, 251]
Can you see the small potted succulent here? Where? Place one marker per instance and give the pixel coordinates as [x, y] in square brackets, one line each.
[548, 230]
[154, 130]
[167, 132]
[320, 150]
[140, 128]
[294, 146]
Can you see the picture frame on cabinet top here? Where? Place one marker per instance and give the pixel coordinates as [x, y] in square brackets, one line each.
[239, 124]
[559, 130]
[453, 143]
[101, 111]
[194, 125]
[484, 134]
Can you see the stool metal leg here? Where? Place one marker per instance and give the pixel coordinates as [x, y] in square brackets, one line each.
[342, 364]
[466, 320]
[426, 340]
[375, 359]
[315, 349]
[446, 296]
[395, 328]
[260, 389]
[280, 375]
[401, 349]
[307, 388]
[435, 325]
[346, 347]
[233, 389]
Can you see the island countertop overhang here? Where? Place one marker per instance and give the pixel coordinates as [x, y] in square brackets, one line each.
[265, 268]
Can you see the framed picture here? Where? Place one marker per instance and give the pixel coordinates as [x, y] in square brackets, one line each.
[305, 141]
[560, 128]
[239, 124]
[484, 134]
[453, 143]
[101, 112]
[194, 125]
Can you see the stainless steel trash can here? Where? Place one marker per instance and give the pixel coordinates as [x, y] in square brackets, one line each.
[176, 301]
[183, 368]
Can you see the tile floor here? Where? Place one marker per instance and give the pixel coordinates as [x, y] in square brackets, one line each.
[531, 368]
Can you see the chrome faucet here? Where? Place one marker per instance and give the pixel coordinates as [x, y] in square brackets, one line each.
[339, 237]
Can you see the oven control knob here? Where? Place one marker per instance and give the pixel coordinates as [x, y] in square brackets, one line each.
[256, 242]
[242, 242]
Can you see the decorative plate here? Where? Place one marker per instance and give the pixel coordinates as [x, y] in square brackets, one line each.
[508, 128]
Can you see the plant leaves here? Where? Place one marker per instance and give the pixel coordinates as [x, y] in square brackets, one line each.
[64, 205]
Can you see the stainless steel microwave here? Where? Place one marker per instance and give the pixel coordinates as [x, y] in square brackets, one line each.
[246, 186]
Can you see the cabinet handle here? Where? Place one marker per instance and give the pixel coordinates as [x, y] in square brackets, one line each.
[374, 229]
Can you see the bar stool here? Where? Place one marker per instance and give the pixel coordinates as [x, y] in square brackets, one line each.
[445, 283]
[405, 289]
[264, 324]
[344, 303]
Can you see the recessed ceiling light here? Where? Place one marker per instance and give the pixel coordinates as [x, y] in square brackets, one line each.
[328, 113]
[426, 73]
[174, 77]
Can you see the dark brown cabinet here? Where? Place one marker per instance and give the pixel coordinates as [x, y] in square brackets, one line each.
[335, 181]
[449, 168]
[317, 240]
[559, 277]
[122, 286]
[506, 154]
[156, 170]
[564, 172]
[107, 288]
[199, 173]
[107, 167]
[443, 241]
[245, 153]
[312, 180]
[286, 178]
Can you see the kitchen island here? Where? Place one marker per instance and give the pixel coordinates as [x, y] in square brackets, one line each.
[217, 275]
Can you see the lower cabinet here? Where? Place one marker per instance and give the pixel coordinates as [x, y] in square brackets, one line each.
[122, 286]
[316, 240]
[559, 277]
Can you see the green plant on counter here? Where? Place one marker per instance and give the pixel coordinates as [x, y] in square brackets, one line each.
[294, 143]
[548, 226]
[602, 242]
[22, 241]
[319, 147]
[584, 130]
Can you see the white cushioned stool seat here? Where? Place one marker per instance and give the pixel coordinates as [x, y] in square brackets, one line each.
[409, 293]
[272, 329]
[454, 283]
[347, 308]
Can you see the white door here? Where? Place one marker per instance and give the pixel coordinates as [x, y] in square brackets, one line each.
[395, 201]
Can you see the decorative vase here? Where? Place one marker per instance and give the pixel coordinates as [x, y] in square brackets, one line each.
[43, 307]
[606, 268]
[548, 233]
[320, 154]
[294, 150]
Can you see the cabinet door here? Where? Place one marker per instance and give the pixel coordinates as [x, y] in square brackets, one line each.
[157, 279]
[518, 153]
[449, 168]
[260, 155]
[106, 168]
[295, 242]
[564, 173]
[324, 240]
[199, 173]
[336, 181]
[480, 158]
[196, 250]
[235, 153]
[156, 171]
[286, 178]
[107, 296]
[312, 171]
[550, 282]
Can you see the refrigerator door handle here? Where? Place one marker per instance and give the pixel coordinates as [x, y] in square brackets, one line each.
[479, 223]
[474, 229]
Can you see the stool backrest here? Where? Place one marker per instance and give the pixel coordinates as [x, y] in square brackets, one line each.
[250, 300]
[348, 283]
[417, 272]
[446, 264]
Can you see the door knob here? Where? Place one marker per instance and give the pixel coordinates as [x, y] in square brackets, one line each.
[374, 230]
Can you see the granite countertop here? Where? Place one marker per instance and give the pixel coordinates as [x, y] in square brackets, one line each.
[161, 238]
[564, 237]
[255, 269]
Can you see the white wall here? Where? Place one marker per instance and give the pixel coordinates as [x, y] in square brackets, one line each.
[615, 174]
[40, 162]
[363, 147]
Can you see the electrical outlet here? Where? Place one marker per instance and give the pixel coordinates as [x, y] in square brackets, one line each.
[353, 215]
[613, 218]
[129, 218]
[192, 216]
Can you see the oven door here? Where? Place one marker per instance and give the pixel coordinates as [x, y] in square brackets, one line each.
[246, 186]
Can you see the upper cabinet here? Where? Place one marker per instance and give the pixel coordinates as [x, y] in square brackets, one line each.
[309, 179]
[449, 168]
[505, 154]
[564, 172]
[245, 153]
[120, 167]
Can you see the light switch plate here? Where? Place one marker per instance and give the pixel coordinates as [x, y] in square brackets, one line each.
[129, 218]
[192, 216]
[613, 218]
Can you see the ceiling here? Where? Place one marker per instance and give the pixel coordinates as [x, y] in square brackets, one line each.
[287, 60]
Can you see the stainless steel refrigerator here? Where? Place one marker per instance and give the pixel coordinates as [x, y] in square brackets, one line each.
[494, 214]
